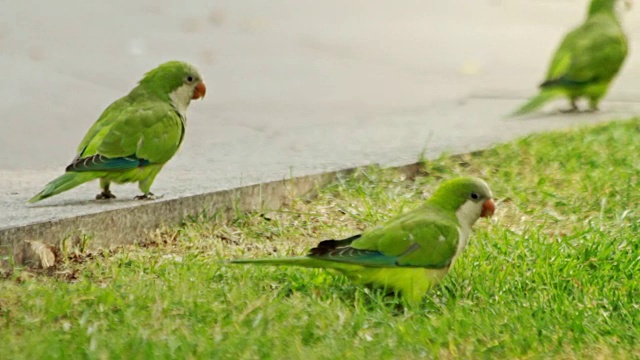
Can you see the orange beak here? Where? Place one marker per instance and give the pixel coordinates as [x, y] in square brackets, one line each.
[488, 208]
[200, 91]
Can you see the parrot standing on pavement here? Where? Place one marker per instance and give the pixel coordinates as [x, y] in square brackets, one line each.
[136, 135]
[587, 60]
[411, 253]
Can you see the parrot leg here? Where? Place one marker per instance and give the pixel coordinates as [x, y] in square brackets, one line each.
[573, 108]
[106, 193]
[147, 196]
[593, 104]
[145, 186]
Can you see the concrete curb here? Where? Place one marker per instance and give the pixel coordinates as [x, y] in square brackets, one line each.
[126, 225]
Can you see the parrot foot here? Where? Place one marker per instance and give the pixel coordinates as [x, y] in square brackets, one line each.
[570, 110]
[147, 196]
[105, 195]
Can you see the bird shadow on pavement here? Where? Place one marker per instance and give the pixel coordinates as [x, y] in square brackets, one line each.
[92, 202]
[557, 113]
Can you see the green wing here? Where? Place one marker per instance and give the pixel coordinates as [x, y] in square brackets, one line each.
[131, 134]
[108, 117]
[421, 238]
[592, 53]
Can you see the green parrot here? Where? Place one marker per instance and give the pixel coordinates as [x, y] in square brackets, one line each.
[587, 60]
[136, 135]
[412, 252]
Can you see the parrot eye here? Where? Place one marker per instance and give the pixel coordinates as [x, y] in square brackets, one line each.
[475, 196]
[189, 79]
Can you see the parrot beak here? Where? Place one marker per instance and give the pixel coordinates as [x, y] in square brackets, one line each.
[488, 208]
[199, 91]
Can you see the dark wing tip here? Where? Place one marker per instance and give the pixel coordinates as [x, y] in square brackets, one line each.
[564, 81]
[102, 163]
[327, 246]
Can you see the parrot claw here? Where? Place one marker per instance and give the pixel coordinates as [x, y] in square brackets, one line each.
[105, 195]
[570, 110]
[147, 196]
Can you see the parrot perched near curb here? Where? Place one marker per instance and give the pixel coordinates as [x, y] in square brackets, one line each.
[586, 61]
[412, 252]
[136, 135]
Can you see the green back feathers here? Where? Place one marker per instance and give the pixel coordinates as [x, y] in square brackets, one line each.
[137, 133]
[586, 61]
[156, 84]
[146, 112]
[599, 6]
[409, 254]
[591, 53]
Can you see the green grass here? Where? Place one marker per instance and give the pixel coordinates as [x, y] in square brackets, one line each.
[555, 273]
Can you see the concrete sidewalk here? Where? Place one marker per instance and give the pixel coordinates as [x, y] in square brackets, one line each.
[294, 88]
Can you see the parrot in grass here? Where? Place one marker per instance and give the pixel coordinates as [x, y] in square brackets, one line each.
[412, 252]
[136, 135]
[586, 61]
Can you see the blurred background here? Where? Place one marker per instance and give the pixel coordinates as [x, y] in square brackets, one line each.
[288, 80]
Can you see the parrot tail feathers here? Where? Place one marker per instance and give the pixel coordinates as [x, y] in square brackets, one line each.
[302, 261]
[536, 102]
[65, 182]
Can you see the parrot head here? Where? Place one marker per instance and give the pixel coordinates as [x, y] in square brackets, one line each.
[469, 197]
[616, 6]
[175, 81]
[627, 4]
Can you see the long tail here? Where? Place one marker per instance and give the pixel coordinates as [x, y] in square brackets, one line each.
[536, 102]
[292, 261]
[67, 181]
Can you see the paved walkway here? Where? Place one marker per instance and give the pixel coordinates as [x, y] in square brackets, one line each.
[294, 87]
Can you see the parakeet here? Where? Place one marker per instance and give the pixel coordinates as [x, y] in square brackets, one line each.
[586, 61]
[413, 251]
[136, 135]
